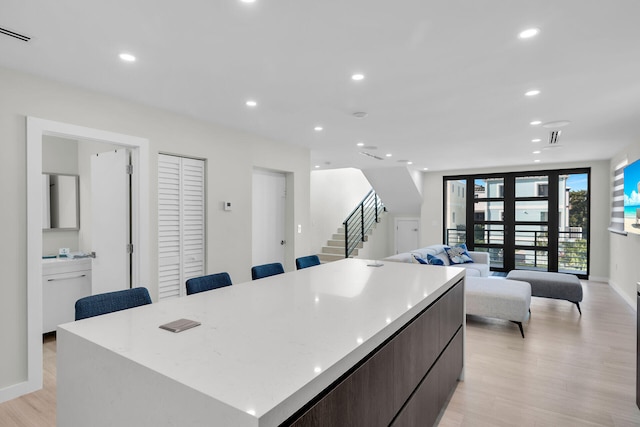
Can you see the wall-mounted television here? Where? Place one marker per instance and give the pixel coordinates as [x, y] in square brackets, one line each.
[632, 198]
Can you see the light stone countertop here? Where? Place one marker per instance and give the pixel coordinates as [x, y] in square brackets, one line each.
[267, 347]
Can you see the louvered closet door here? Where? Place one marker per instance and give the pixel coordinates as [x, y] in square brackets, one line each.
[192, 218]
[180, 223]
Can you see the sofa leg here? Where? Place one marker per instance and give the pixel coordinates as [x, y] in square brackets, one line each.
[520, 326]
[578, 305]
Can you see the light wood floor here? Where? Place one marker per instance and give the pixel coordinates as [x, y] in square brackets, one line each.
[570, 370]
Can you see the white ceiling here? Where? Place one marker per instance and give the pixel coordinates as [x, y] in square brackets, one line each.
[444, 85]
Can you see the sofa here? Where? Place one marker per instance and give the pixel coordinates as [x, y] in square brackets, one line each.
[478, 268]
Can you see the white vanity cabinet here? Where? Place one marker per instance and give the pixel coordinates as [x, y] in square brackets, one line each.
[64, 281]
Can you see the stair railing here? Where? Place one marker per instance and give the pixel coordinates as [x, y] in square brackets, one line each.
[360, 221]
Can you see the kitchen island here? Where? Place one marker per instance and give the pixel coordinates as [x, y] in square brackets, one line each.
[344, 343]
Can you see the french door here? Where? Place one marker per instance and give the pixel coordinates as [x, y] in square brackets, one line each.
[524, 220]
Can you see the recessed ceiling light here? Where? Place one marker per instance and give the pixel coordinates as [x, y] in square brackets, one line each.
[317, 166]
[425, 169]
[409, 162]
[360, 144]
[532, 92]
[528, 33]
[536, 140]
[536, 161]
[318, 128]
[127, 57]
[535, 122]
[537, 152]
[357, 77]
[251, 103]
[388, 154]
[248, 1]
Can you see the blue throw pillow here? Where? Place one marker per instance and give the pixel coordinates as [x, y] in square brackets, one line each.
[420, 260]
[434, 260]
[459, 254]
[431, 260]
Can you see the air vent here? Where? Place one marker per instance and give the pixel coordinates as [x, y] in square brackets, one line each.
[14, 35]
[364, 153]
[553, 137]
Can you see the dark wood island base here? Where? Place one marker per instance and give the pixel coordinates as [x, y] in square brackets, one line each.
[406, 381]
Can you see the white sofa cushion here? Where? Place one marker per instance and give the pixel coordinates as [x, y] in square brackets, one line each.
[479, 266]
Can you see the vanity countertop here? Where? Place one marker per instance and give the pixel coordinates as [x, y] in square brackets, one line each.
[64, 265]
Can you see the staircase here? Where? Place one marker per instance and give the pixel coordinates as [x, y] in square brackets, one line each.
[355, 231]
[334, 250]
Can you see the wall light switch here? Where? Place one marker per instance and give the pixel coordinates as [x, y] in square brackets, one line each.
[227, 206]
[299, 228]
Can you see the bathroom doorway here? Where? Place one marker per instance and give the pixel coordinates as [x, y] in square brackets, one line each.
[36, 130]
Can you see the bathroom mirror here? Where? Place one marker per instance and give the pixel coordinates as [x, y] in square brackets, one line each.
[60, 202]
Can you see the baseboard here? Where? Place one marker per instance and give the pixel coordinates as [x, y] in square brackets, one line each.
[624, 296]
[599, 279]
[13, 391]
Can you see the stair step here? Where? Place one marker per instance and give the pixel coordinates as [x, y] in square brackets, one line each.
[333, 249]
[340, 244]
[330, 257]
[338, 237]
[337, 250]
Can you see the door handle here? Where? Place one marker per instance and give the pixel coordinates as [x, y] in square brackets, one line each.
[283, 242]
[67, 278]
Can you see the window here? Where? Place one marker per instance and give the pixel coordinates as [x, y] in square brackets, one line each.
[524, 220]
[542, 189]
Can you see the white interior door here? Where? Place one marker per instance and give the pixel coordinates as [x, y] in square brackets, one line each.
[110, 222]
[407, 235]
[268, 217]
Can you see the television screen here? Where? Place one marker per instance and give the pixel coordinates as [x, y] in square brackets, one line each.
[632, 198]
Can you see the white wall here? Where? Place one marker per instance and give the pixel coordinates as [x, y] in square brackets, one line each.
[432, 221]
[382, 243]
[399, 187]
[230, 156]
[625, 250]
[336, 193]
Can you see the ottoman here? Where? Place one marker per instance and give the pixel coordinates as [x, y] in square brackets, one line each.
[498, 298]
[551, 285]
